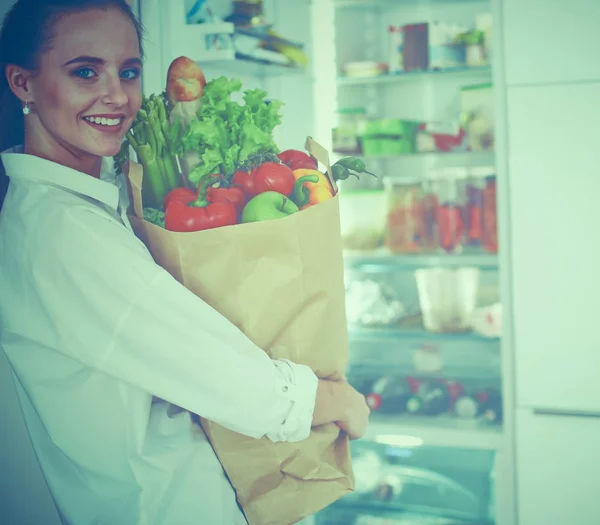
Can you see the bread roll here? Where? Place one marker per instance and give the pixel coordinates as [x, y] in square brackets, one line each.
[185, 81]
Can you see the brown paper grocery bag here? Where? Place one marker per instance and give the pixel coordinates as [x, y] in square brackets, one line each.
[282, 283]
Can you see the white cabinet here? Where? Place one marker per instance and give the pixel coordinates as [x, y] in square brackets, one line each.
[551, 40]
[554, 189]
[558, 469]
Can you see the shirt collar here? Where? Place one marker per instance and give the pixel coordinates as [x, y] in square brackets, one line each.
[19, 165]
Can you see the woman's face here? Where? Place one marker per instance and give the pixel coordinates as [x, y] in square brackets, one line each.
[88, 88]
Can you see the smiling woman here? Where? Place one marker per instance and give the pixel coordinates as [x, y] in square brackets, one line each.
[111, 354]
[62, 106]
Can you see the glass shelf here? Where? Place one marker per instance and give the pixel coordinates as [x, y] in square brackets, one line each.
[389, 4]
[342, 513]
[440, 431]
[416, 334]
[384, 261]
[416, 75]
[241, 64]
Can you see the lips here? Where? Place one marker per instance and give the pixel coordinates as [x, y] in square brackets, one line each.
[106, 123]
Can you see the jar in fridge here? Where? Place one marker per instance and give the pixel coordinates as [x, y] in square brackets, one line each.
[490, 217]
[405, 215]
[450, 189]
[474, 209]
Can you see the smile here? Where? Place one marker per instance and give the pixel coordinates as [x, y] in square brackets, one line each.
[102, 121]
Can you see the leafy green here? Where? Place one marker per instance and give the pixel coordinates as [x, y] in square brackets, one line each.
[226, 133]
[154, 216]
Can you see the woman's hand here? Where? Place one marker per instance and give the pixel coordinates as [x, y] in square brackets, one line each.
[339, 403]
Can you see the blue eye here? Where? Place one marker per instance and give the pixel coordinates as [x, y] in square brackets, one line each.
[130, 74]
[84, 72]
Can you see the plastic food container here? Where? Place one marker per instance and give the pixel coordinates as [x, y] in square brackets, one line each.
[347, 137]
[448, 297]
[362, 219]
[450, 190]
[390, 137]
[405, 215]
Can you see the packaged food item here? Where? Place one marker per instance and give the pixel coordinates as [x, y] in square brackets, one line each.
[450, 188]
[396, 58]
[365, 69]
[477, 109]
[474, 211]
[406, 215]
[347, 136]
[448, 297]
[430, 45]
[371, 303]
[390, 395]
[430, 205]
[490, 217]
[432, 398]
[363, 219]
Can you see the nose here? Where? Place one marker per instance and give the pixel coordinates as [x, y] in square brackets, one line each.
[114, 94]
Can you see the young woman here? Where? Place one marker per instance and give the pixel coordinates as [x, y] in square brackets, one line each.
[96, 333]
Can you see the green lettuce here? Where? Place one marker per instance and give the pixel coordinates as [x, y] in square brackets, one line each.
[227, 134]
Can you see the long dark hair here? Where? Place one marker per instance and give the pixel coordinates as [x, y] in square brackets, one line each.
[26, 33]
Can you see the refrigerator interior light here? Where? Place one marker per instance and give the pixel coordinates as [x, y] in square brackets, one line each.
[396, 440]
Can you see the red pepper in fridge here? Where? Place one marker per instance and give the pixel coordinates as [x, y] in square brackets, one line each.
[200, 214]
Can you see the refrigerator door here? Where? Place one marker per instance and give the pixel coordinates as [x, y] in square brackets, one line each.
[558, 472]
[554, 187]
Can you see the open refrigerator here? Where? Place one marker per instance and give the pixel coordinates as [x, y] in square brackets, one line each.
[407, 85]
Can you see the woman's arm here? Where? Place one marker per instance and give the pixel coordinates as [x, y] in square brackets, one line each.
[120, 313]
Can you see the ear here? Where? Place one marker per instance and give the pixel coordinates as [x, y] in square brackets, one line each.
[19, 81]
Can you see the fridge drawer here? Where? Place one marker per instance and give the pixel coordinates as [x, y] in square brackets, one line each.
[558, 468]
[421, 485]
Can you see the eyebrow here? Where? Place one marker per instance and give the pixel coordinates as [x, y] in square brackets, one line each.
[95, 60]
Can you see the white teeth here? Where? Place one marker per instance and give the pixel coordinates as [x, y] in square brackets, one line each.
[104, 121]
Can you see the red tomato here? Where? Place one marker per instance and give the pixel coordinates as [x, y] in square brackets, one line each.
[245, 179]
[270, 176]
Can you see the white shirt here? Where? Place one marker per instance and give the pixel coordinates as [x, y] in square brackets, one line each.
[97, 335]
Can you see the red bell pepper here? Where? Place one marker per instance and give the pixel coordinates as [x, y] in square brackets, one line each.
[233, 194]
[180, 194]
[200, 214]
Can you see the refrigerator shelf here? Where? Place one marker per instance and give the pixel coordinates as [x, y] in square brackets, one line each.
[384, 261]
[392, 78]
[338, 512]
[395, 4]
[417, 336]
[439, 431]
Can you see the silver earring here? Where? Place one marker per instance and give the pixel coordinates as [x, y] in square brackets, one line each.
[26, 109]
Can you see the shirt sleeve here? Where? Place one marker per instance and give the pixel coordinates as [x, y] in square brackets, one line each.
[117, 311]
